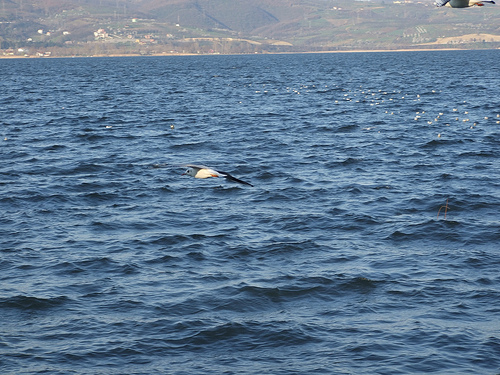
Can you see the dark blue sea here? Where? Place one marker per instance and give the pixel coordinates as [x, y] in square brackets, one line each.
[369, 243]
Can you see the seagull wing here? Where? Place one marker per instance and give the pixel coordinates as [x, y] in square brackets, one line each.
[441, 3]
[234, 179]
[196, 166]
[163, 165]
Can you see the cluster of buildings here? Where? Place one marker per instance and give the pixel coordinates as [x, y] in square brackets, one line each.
[25, 52]
[103, 35]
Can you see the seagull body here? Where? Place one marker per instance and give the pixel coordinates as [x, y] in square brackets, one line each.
[462, 3]
[200, 171]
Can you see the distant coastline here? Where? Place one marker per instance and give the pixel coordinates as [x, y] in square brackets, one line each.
[112, 28]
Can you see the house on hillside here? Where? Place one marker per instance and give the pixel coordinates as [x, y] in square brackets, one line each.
[101, 34]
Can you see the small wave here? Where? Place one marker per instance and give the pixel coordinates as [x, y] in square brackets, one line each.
[91, 137]
[249, 335]
[432, 230]
[351, 161]
[99, 264]
[32, 303]
[480, 153]
[277, 294]
[83, 168]
[55, 147]
[276, 246]
[347, 128]
[270, 114]
[68, 268]
[359, 284]
[48, 201]
[169, 240]
[433, 144]
[101, 196]
[162, 259]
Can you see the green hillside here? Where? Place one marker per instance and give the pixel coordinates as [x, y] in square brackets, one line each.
[103, 27]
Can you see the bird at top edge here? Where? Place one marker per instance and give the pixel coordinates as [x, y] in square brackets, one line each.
[462, 3]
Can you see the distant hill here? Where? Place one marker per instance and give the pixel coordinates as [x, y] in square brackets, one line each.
[90, 27]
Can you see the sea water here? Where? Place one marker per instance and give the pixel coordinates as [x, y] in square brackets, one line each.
[369, 244]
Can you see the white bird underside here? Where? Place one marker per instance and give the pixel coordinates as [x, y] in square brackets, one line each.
[201, 171]
[462, 3]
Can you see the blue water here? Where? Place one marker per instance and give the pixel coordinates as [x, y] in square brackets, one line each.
[340, 259]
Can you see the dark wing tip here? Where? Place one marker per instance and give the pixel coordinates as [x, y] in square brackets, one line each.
[234, 179]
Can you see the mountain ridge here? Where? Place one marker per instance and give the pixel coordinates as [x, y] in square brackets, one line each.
[89, 27]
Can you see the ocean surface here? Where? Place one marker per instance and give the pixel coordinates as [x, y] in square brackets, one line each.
[369, 243]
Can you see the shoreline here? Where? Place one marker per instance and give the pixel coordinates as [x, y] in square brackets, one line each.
[243, 54]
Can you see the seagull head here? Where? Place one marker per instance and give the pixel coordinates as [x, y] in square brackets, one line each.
[190, 172]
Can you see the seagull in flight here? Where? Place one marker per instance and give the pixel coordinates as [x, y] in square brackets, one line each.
[462, 3]
[200, 171]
